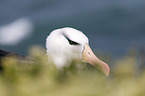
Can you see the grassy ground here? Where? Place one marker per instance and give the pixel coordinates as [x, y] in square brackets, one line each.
[43, 79]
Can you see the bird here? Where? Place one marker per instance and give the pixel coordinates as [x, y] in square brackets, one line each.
[64, 45]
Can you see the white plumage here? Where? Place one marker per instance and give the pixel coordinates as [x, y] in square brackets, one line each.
[60, 50]
[66, 44]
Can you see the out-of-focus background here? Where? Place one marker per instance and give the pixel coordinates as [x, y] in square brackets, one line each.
[112, 26]
[116, 29]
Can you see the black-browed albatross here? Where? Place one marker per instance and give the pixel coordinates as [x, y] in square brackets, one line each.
[66, 44]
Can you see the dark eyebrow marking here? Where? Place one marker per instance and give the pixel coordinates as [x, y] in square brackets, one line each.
[70, 41]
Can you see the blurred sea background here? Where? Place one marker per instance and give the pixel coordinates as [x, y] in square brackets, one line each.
[112, 26]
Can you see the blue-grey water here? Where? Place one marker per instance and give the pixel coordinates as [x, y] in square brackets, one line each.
[112, 26]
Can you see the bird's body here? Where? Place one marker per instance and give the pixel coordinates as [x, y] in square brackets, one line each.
[66, 44]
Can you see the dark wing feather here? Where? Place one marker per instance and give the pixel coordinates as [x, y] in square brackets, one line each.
[8, 55]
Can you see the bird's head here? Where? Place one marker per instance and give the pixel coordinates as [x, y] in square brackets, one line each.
[67, 43]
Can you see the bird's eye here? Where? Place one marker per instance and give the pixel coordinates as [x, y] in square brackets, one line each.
[70, 41]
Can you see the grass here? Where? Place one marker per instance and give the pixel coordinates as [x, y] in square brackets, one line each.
[43, 79]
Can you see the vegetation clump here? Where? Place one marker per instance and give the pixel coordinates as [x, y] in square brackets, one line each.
[40, 78]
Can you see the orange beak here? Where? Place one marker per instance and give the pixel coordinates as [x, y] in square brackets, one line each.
[90, 57]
